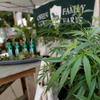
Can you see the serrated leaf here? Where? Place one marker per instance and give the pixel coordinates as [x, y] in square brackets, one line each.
[96, 97]
[92, 88]
[96, 31]
[87, 11]
[69, 49]
[75, 68]
[96, 58]
[55, 76]
[75, 32]
[81, 91]
[81, 97]
[64, 77]
[73, 59]
[98, 82]
[81, 46]
[87, 69]
[53, 59]
[74, 89]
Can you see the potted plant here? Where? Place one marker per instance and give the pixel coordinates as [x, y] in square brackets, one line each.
[79, 70]
[78, 55]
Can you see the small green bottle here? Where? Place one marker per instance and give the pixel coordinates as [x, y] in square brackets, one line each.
[9, 49]
[17, 48]
[25, 47]
[32, 47]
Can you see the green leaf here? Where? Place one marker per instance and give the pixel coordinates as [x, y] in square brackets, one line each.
[53, 59]
[95, 57]
[70, 48]
[88, 11]
[96, 31]
[75, 32]
[81, 90]
[55, 76]
[87, 69]
[82, 46]
[75, 68]
[66, 72]
[93, 85]
[81, 97]
[96, 97]
[98, 82]
[73, 59]
[74, 89]
[64, 77]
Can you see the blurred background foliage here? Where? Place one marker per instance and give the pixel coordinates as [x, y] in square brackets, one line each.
[6, 19]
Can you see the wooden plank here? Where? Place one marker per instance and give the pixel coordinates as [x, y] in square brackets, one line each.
[30, 85]
[4, 87]
[9, 70]
[99, 12]
[17, 76]
[14, 72]
[96, 17]
[23, 85]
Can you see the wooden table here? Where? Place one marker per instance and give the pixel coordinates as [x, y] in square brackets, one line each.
[11, 73]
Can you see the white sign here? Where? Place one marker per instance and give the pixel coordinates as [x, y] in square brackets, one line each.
[55, 13]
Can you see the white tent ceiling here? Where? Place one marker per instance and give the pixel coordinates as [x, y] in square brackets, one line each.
[20, 5]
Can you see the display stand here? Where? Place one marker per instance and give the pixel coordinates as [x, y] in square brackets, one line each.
[25, 72]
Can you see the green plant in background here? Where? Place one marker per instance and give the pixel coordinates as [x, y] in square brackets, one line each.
[6, 19]
[61, 32]
[28, 30]
[23, 31]
[79, 65]
[79, 58]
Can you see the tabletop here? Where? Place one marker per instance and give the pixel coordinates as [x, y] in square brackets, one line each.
[8, 70]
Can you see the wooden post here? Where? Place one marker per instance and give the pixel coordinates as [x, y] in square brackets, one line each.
[96, 15]
[14, 17]
[99, 12]
[30, 85]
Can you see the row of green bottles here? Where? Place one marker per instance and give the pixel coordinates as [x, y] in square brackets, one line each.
[25, 48]
[9, 48]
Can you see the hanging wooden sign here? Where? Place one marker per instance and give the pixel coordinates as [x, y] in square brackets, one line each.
[72, 11]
